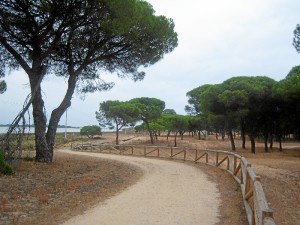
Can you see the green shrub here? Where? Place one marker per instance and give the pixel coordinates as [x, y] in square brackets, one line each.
[5, 168]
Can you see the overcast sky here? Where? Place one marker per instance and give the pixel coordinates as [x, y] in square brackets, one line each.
[218, 39]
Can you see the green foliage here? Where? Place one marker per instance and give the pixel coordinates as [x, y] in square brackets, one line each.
[287, 95]
[289, 88]
[3, 86]
[179, 123]
[5, 168]
[129, 35]
[169, 111]
[194, 99]
[116, 114]
[296, 42]
[200, 122]
[90, 131]
[149, 110]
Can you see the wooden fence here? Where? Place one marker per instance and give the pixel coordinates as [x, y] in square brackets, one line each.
[256, 205]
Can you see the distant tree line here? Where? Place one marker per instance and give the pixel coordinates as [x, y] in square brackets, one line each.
[146, 115]
[258, 107]
[251, 106]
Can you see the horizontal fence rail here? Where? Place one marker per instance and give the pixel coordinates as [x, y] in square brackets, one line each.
[256, 205]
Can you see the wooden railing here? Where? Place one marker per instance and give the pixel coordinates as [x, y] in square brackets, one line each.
[256, 205]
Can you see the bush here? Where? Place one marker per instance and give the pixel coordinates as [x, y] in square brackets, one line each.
[5, 168]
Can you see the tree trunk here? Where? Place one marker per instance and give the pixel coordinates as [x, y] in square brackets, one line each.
[280, 144]
[168, 134]
[266, 143]
[117, 134]
[243, 135]
[271, 141]
[175, 140]
[231, 140]
[243, 141]
[252, 141]
[223, 135]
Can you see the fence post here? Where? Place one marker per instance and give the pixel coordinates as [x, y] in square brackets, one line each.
[234, 163]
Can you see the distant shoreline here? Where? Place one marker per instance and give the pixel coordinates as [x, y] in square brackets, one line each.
[30, 129]
[59, 126]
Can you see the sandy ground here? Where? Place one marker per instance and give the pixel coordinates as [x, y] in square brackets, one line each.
[50, 194]
[168, 193]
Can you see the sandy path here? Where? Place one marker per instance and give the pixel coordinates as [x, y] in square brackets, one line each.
[168, 193]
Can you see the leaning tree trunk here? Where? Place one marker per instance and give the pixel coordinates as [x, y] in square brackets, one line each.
[57, 114]
[150, 132]
[232, 140]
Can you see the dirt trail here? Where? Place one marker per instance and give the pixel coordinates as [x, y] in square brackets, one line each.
[168, 193]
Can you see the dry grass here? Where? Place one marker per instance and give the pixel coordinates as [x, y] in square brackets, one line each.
[49, 194]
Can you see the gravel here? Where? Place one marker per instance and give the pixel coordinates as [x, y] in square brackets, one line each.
[168, 193]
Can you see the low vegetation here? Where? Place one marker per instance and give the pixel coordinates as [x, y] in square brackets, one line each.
[5, 168]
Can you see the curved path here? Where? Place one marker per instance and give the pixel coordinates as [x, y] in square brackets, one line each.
[168, 193]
